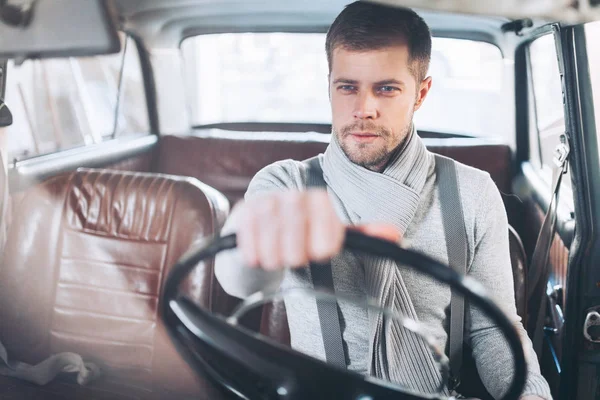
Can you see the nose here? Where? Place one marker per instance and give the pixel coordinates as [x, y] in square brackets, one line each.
[365, 107]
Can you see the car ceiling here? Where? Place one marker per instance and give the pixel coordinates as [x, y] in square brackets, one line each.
[164, 23]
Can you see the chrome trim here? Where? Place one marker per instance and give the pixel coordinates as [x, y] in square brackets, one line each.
[23, 173]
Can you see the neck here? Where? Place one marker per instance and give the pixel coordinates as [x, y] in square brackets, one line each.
[380, 167]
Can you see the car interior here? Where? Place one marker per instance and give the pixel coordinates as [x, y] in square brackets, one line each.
[117, 164]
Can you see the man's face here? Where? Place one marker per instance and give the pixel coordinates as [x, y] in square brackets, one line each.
[373, 97]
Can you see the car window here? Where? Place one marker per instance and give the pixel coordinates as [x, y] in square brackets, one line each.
[59, 104]
[546, 96]
[282, 77]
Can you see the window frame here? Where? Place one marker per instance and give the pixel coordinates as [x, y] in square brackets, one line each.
[3, 77]
[149, 102]
[534, 154]
[544, 31]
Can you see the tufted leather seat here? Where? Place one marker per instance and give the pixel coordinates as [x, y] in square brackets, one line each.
[83, 267]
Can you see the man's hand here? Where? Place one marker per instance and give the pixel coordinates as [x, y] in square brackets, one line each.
[289, 229]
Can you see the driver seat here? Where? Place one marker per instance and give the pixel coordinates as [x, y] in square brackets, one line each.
[84, 264]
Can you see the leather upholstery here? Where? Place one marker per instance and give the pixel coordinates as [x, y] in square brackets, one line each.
[559, 252]
[518, 260]
[274, 323]
[558, 260]
[141, 162]
[85, 260]
[228, 164]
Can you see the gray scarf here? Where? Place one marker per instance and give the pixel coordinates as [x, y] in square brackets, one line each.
[393, 197]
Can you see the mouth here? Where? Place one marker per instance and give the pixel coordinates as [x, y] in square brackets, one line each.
[364, 137]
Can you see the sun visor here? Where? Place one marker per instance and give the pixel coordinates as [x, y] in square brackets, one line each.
[56, 28]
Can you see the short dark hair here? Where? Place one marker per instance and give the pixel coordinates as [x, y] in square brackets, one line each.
[365, 26]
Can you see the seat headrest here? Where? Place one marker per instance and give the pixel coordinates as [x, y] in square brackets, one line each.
[132, 205]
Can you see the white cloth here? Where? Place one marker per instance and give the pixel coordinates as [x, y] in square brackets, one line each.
[48, 369]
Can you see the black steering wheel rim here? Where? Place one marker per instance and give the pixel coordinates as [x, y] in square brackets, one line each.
[192, 328]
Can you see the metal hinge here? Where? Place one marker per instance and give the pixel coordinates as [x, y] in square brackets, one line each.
[561, 153]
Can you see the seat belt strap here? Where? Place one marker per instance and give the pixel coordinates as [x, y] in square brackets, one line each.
[322, 277]
[456, 245]
[539, 270]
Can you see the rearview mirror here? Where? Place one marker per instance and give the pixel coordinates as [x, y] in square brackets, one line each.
[55, 28]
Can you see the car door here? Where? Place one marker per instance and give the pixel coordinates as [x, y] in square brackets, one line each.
[541, 121]
[555, 99]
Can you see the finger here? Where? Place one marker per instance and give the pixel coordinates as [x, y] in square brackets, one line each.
[246, 234]
[293, 213]
[380, 230]
[325, 231]
[268, 236]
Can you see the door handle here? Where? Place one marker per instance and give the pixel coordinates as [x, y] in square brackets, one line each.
[591, 326]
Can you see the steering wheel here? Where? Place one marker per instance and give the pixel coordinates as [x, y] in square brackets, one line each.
[247, 366]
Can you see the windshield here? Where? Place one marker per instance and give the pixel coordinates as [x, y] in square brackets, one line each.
[282, 78]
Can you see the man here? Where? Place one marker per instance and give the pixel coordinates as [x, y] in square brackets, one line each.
[380, 179]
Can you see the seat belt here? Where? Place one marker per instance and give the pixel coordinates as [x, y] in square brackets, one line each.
[322, 277]
[456, 245]
[539, 270]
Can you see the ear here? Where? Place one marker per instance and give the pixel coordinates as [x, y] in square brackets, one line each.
[329, 86]
[422, 92]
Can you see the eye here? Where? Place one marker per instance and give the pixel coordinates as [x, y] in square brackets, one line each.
[388, 89]
[347, 88]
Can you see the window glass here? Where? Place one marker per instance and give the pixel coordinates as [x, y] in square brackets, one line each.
[282, 78]
[257, 77]
[472, 91]
[547, 97]
[59, 104]
[547, 93]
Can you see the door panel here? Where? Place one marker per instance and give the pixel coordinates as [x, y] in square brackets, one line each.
[543, 120]
[132, 154]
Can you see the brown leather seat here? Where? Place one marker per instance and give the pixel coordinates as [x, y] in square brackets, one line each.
[518, 259]
[85, 260]
[227, 161]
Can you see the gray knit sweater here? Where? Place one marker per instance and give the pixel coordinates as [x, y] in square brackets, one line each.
[488, 261]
